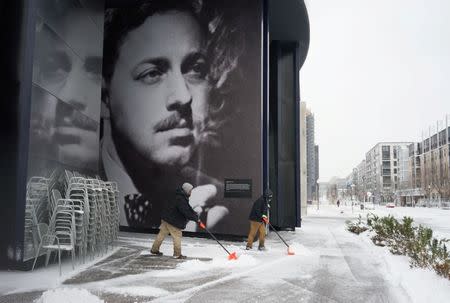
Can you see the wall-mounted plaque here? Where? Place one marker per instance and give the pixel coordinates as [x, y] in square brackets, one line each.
[238, 188]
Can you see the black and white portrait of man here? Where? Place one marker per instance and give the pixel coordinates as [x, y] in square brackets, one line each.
[174, 104]
[67, 83]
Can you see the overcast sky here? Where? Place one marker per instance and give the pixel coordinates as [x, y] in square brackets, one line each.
[377, 70]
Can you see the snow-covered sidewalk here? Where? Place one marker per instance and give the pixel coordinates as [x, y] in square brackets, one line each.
[330, 265]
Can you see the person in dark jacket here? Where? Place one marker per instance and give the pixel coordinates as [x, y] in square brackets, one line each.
[174, 218]
[258, 216]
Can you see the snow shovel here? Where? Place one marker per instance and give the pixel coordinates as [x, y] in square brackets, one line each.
[231, 256]
[290, 251]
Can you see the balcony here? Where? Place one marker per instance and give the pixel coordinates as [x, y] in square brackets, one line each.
[386, 172]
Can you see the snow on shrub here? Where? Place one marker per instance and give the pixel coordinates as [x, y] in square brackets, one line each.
[356, 227]
[402, 238]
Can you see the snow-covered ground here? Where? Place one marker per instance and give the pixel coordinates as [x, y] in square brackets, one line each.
[330, 265]
[43, 278]
[435, 218]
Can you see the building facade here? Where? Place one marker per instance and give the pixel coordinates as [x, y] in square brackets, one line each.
[303, 159]
[316, 189]
[311, 157]
[360, 187]
[386, 162]
[411, 194]
[434, 162]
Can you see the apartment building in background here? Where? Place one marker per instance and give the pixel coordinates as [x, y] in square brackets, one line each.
[434, 161]
[386, 170]
[303, 159]
[311, 157]
[407, 172]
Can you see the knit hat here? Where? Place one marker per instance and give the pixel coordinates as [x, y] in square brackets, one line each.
[187, 187]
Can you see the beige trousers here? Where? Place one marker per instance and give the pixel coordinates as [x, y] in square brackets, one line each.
[176, 234]
[256, 227]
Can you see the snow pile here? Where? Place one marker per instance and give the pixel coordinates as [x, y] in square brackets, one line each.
[142, 291]
[68, 295]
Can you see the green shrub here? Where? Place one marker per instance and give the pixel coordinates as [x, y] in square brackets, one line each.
[403, 238]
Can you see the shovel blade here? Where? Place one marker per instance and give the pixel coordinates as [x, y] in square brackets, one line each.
[232, 256]
[290, 251]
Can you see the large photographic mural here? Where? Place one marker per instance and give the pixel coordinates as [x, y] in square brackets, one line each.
[149, 94]
[182, 99]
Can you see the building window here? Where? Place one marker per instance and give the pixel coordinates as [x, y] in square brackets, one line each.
[386, 152]
[411, 150]
[434, 141]
[442, 138]
[426, 145]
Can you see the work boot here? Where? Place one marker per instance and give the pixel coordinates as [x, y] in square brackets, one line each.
[261, 248]
[180, 257]
[157, 253]
[248, 248]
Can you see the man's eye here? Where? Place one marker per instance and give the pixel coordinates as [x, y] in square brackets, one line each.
[150, 76]
[53, 75]
[55, 68]
[94, 76]
[198, 70]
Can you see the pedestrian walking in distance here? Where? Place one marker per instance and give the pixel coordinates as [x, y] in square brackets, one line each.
[174, 218]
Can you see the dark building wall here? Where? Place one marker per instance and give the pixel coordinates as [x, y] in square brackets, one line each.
[288, 27]
[42, 93]
[283, 133]
[16, 55]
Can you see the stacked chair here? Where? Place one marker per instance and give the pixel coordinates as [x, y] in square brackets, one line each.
[85, 220]
[36, 214]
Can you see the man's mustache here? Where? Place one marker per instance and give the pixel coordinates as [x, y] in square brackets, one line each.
[175, 121]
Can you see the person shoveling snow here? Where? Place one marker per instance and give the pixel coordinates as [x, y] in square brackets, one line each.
[257, 217]
[174, 218]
